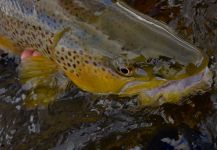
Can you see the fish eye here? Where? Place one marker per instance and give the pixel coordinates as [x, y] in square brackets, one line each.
[123, 67]
[124, 71]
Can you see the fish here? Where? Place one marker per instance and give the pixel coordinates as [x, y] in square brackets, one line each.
[103, 47]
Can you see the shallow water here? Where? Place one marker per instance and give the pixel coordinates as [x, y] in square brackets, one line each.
[80, 120]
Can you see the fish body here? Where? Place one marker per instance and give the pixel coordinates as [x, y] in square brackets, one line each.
[104, 47]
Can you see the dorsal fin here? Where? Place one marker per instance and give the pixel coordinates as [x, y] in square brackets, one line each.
[58, 36]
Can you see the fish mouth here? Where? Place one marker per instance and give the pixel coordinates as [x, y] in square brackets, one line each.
[162, 86]
[137, 86]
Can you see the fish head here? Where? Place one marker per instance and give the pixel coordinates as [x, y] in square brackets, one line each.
[97, 74]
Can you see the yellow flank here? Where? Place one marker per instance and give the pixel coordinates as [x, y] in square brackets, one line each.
[97, 80]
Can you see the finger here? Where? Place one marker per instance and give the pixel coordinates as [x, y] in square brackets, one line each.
[26, 53]
[35, 53]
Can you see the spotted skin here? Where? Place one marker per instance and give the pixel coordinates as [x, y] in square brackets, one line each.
[83, 68]
[84, 38]
[26, 34]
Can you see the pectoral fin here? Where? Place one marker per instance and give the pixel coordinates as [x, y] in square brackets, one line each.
[42, 81]
[37, 67]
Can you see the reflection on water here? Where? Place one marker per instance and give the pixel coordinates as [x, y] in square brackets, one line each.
[80, 120]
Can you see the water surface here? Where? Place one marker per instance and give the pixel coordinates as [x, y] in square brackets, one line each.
[79, 120]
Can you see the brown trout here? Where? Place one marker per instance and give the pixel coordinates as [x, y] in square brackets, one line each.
[104, 47]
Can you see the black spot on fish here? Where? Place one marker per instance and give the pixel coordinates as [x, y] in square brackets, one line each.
[48, 52]
[94, 63]
[69, 53]
[50, 41]
[58, 61]
[64, 68]
[38, 46]
[34, 27]
[90, 57]
[74, 65]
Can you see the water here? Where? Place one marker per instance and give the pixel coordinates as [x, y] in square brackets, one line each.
[80, 120]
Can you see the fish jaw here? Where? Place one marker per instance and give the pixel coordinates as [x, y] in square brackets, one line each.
[175, 90]
[137, 86]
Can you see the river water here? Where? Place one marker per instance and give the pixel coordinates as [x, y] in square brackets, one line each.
[79, 120]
